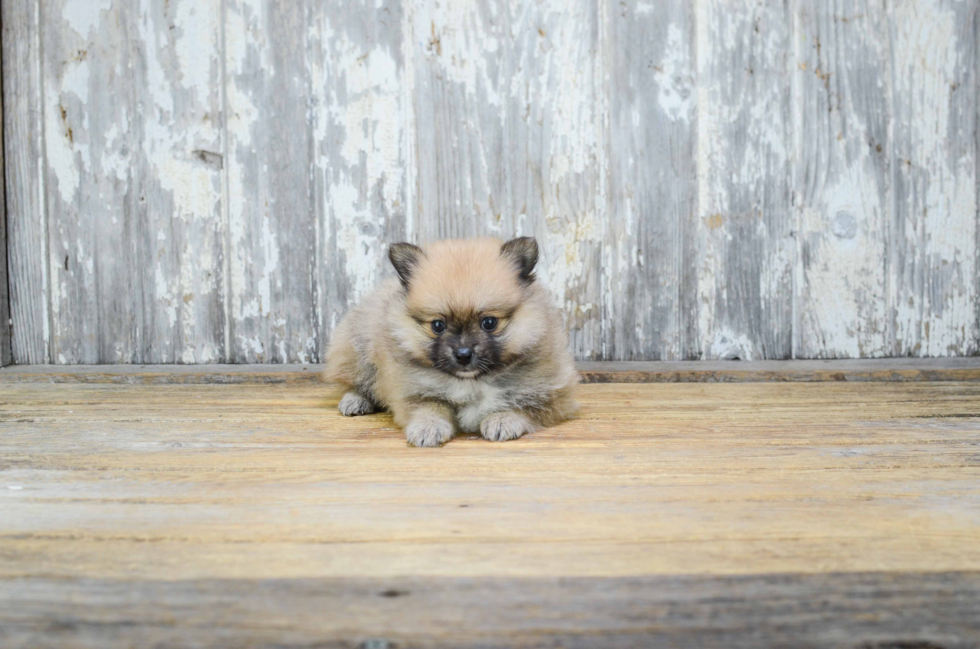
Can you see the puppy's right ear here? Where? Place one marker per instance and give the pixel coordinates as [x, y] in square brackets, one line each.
[405, 257]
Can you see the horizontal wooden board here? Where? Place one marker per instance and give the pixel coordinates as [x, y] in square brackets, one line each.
[269, 481]
[899, 369]
[855, 370]
[865, 610]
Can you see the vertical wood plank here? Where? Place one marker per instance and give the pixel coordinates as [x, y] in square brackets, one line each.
[842, 179]
[745, 281]
[5, 354]
[89, 78]
[271, 211]
[133, 180]
[935, 291]
[651, 241]
[361, 114]
[510, 132]
[180, 234]
[23, 162]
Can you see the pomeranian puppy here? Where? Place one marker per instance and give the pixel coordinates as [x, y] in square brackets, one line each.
[464, 339]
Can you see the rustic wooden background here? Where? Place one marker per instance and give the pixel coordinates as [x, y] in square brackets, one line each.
[202, 181]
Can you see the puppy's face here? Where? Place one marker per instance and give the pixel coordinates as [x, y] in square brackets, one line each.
[467, 312]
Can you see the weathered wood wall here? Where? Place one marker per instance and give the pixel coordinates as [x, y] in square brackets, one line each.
[217, 180]
[5, 349]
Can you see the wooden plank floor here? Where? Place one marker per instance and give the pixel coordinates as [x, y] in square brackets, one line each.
[850, 370]
[721, 514]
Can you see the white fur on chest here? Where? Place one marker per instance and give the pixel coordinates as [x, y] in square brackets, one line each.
[478, 401]
[473, 399]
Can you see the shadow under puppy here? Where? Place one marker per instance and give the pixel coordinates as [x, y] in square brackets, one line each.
[464, 339]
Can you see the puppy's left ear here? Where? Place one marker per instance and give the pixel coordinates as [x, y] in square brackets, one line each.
[523, 251]
[405, 257]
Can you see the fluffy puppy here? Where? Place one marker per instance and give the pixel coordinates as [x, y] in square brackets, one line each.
[464, 339]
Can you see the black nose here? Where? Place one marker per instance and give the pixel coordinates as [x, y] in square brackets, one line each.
[463, 355]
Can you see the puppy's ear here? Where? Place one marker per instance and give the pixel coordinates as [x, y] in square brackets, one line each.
[523, 251]
[405, 257]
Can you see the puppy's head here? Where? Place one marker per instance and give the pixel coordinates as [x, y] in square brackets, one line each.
[467, 308]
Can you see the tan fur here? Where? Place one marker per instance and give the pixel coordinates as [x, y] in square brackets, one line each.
[381, 351]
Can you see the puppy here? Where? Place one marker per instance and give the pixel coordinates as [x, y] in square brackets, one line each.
[464, 339]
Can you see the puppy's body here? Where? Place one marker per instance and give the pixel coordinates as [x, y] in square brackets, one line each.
[464, 340]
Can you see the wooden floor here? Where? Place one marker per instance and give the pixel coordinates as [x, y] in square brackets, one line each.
[722, 514]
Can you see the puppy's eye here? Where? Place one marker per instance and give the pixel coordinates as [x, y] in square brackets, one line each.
[438, 326]
[489, 323]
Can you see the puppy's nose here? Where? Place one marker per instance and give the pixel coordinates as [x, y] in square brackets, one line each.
[463, 355]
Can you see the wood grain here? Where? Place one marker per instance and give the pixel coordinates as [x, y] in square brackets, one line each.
[843, 180]
[360, 54]
[827, 512]
[217, 182]
[935, 177]
[745, 272]
[509, 113]
[23, 144]
[272, 243]
[651, 247]
[924, 611]
[5, 353]
[132, 151]
[91, 190]
[180, 230]
[806, 371]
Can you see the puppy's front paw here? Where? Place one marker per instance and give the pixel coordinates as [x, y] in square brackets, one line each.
[427, 429]
[354, 404]
[502, 426]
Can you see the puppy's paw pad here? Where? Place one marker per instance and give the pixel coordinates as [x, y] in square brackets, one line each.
[428, 431]
[504, 426]
[354, 404]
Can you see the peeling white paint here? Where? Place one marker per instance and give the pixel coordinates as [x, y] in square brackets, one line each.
[936, 302]
[455, 35]
[76, 81]
[844, 279]
[525, 84]
[66, 126]
[182, 64]
[841, 301]
[60, 152]
[198, 42]
[243, 20]
[84, 15]
[270, 256]
[251, 345]
[409, 124]
[165, 294]
[676, 94]
[742, 146]
[360, 87]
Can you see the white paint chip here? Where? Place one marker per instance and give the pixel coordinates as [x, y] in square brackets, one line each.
[84, 15]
